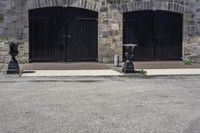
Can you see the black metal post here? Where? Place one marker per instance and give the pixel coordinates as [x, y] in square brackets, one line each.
[128, 64]
[13, 67]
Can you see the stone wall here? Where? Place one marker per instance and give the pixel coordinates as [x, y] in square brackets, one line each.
[14, 23]
[4, 56]
[192, 50]
[110, 32]
[13, 26]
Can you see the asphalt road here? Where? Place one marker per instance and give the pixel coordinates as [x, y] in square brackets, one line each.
[100, 105]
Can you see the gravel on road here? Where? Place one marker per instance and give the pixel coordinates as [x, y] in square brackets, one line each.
[100, 105]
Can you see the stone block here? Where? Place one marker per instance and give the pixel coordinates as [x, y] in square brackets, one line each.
[105, 34]
[104, 9]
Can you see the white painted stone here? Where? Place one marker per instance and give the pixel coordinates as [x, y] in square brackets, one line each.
[114, 26]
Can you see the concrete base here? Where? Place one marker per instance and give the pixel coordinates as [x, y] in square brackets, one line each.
[68, 73]
[163, 72]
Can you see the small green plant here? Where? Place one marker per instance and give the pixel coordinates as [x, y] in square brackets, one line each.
[187, 62]
[143, 72]
[21, 72]
[1, 67]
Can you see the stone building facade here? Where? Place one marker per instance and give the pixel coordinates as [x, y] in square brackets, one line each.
[14, 23]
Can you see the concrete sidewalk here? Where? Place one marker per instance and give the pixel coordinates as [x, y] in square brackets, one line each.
[70, 73]
[166, 72]
[97, 73]
[153, 68]
[163, 68]
[79, 69]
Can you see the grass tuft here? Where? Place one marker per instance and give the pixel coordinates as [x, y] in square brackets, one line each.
[187, 62]
[143, 72]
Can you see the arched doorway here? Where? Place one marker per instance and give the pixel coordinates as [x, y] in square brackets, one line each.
[157, 33]
[58, 34]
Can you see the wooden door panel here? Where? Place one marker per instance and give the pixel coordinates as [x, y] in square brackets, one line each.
[138, 29]
[63, 34]
[157, 33]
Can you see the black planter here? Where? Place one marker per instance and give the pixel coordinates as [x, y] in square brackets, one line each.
[13, 67]
[128, 64]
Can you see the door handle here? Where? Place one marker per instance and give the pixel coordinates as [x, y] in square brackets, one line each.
[66, 36]
[69, 36]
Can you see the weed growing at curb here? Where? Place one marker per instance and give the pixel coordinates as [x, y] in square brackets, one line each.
[21, 72]
[187, 62]
[143, 72]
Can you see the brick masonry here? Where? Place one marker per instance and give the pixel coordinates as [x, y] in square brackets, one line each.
[14, 23]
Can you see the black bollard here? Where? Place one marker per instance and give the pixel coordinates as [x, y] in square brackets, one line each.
[13, 67]
[128, 64]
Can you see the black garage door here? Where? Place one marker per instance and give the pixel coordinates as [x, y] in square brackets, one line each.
[63, 35]
[157, 33]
